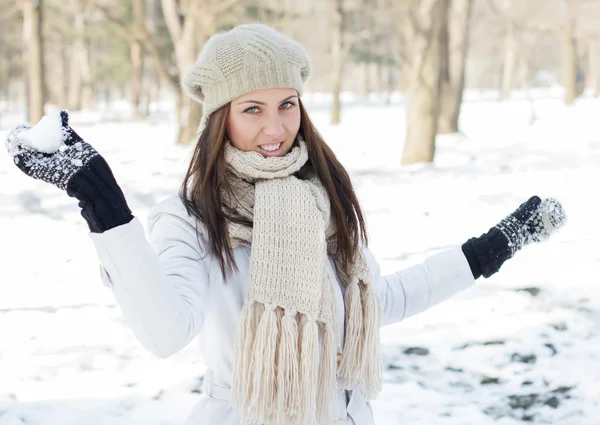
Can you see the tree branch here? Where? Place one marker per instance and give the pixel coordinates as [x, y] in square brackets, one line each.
[148, 40]
[172, 19]
[223, 7]
[10, 12]
[520, 24]
[191, 20]
[123, 28]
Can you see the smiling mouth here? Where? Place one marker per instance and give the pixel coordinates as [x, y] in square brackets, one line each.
[271, 147]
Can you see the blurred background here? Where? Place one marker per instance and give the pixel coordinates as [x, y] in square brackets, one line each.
[90, 53]
[447, 114]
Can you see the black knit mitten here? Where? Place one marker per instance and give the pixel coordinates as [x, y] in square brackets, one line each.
[76, 168]
[534, 221]
[58, 167]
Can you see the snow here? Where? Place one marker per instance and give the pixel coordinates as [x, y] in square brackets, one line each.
[46, 136]
[553, 217]
[522, 345]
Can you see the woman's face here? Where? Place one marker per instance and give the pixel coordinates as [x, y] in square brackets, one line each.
[264, 121]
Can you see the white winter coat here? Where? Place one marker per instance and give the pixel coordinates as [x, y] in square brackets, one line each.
[170, 288]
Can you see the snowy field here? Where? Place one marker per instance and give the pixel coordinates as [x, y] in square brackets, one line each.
[523, 346]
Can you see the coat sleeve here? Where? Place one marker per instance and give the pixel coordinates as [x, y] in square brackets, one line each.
[422, 286]
[159, 283]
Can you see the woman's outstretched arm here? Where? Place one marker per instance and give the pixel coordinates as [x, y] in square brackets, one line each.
[417, 288]
[159, 285]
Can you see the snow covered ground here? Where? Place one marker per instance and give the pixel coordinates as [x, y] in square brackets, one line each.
[521, 346]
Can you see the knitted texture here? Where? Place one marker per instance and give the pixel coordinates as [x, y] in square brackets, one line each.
[534, 221]
[76, 168]
[55, 168]
[280, 375]
[102, 202]
[244, 59]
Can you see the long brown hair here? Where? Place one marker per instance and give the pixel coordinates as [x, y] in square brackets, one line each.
[205, 180]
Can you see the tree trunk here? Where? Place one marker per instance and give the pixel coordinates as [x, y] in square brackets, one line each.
[81, 93]
[136, 51]
[36, 93]
[424, 84]
[75, 86]
[365, 87]
[453, 60]
[569, 60]
[184, 31]
[5, 80]
[189, 130]
[64, 69]
[378, 83]
[524, 82]
[87, 94]
[510, 61]
[137, 68]
[192, 110]
[82, 52]
[594, 67]
[337, 39]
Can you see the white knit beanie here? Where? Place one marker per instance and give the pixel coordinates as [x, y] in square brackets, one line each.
[246, 58]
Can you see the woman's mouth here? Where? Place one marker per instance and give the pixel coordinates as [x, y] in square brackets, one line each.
[271, 149]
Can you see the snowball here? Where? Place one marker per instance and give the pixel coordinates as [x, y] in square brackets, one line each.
[46, 136]
[553, 214]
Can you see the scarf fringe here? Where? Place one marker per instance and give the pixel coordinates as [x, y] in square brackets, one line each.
[352, 357]
[262, 403]
[242, 380]
[288, 376]
[309, 368]
[258, 336]
[361, 363]
[327, 387]
[372, 373]
[283, 380]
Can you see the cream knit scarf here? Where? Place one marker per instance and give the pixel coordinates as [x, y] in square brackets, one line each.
[285, 350]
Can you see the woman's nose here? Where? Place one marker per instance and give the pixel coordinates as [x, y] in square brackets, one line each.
[273, 126]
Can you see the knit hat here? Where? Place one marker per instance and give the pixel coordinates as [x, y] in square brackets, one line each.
[244, 59]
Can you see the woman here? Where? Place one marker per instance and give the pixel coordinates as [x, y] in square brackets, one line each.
[264, 248]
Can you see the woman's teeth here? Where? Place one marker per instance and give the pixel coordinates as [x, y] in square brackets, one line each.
[271, 148]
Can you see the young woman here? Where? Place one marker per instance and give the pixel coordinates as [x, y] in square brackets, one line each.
[265, 248]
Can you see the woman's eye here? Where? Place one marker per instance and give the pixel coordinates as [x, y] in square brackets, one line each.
[252, 110]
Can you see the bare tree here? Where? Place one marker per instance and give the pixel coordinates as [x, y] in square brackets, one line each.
[136, 51]
[455, 44]
[589, 35]
[423, 40]
[11, 46]
[32, 32]
[537, 16]
[570, 63]
[183, 22]
[594, 65]
[510, 60]
[190, 23]
[279, 14]
[141, 33]
[338, 56]
[81, 93]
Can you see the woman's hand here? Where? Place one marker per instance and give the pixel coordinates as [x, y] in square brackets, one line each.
[534, 221]
[71, 165]
[56, 168]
